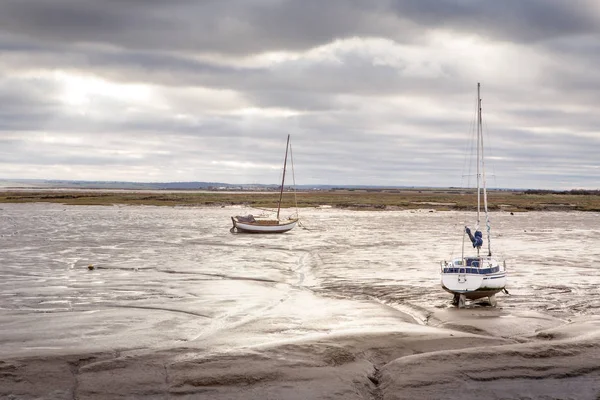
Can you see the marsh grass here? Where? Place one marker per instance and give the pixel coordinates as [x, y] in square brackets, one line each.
[437, 199]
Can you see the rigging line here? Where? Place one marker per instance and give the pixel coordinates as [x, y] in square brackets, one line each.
[490, 148]
[301, 225]
[483, 181]
[470, 151]
[287, 144]
[469, 144]
[469, 156]
[294, 178]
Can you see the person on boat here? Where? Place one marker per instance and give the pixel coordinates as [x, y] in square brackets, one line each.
[476, 239]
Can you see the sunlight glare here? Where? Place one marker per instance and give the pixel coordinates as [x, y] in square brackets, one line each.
[80, 91]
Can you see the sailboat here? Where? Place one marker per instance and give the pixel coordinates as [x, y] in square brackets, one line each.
[250, 224]
[477, 275]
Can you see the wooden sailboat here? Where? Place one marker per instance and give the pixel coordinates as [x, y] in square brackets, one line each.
[475, 276]
[262, 225]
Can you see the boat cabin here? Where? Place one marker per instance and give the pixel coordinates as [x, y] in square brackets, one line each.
[473, 262]
[469, 265]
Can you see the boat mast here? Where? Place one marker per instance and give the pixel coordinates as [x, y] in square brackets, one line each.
[283, 178]
[478, 156]
[485, 203]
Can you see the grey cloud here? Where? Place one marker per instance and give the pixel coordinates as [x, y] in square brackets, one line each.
[246, 27]
[26, 105]
[516, 20]
[288, 85]
[233, 26]
[350, 128]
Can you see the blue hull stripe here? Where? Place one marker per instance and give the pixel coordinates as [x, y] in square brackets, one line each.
[486, 277]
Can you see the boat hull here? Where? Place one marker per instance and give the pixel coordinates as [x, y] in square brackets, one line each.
[262, 227]
[472, 281]
[475, 294]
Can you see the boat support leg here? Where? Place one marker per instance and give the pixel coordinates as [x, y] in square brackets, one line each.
[455, 299]
[462, 299]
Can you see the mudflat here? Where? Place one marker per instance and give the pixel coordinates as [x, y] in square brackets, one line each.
[105, 302]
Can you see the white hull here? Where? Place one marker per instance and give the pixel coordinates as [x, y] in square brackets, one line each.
[473, 277]
[262, 227]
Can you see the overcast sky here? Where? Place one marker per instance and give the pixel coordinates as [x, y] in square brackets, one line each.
[377, 92]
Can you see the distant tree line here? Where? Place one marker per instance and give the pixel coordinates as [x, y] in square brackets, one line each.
[576, 192]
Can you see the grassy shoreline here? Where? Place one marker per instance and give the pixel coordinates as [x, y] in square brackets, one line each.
[437, 199]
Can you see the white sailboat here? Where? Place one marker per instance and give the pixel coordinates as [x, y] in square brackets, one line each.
[475, 276]
[250, 224]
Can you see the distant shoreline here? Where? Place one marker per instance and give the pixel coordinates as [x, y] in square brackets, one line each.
[450, 199]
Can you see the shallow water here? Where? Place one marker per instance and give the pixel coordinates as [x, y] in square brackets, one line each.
[164, 277]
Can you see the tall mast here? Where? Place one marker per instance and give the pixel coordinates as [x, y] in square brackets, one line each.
[478, 157]
[283, 178]
[485, 203]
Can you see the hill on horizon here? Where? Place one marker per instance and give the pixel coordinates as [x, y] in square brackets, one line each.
[77, 184]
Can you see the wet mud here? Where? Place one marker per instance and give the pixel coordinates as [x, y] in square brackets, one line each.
[166, 302]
